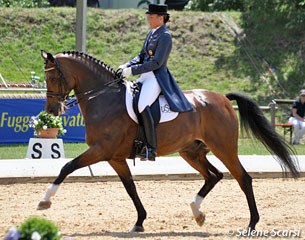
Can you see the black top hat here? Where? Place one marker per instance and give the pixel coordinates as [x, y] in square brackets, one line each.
[160, 9]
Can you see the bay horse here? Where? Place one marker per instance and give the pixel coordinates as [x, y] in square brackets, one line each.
[212, 125]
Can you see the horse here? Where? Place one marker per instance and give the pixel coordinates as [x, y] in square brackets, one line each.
[212, 125]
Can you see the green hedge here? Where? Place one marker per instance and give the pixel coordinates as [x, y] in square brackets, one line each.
[24, 3]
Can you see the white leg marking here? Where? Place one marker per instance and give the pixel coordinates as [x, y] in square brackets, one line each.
[195, 205]
[50, 192]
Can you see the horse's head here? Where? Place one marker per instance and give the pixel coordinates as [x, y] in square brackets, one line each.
[58, 88]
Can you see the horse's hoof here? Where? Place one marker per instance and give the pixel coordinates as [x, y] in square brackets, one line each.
[200, 219]
[137, 229]
[44, 205]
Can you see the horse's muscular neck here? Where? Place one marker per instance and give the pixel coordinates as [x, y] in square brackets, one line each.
[89, 78]
[84, 73]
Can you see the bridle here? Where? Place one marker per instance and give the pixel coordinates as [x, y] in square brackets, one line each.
[63, 95]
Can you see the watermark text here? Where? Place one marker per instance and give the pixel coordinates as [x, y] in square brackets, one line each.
[274, 233]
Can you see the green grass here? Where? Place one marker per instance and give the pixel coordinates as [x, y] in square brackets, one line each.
[19, 151]
[246, 146]
[204, 55]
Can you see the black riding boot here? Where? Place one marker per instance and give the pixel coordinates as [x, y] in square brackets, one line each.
[150, 133]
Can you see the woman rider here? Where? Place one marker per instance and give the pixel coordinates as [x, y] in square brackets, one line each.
[155, 77]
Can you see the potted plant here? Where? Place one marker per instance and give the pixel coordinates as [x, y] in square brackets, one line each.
[34, 228]
[47, 125]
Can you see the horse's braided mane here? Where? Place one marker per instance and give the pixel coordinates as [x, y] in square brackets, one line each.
[90, 58]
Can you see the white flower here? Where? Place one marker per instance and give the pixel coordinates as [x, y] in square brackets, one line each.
[44, 120]
[35, 236]
[65, 131]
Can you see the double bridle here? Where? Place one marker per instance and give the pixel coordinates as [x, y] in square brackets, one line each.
[63, 95]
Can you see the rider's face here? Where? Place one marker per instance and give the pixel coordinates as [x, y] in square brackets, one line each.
[154, 20]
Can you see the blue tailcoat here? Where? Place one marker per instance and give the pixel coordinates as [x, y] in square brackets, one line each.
[153, 57]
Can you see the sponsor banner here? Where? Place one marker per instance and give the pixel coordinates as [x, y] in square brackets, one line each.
[16, 113]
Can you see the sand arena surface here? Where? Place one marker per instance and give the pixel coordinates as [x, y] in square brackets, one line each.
[103, 210]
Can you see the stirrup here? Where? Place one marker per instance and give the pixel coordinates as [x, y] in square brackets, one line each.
[147, 154]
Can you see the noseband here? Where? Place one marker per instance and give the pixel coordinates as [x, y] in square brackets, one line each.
[62, 95]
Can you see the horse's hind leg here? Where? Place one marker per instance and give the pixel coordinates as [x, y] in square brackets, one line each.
[123, 171]
[228, 155]
[245, 182]
[195, 155]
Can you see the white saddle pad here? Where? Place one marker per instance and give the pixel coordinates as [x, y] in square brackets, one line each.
[165, 112]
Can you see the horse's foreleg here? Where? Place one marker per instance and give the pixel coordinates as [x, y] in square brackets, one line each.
[70, 167]
[124, 173]
[83, 160]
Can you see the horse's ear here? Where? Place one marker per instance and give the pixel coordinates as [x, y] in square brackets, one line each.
[47, 56]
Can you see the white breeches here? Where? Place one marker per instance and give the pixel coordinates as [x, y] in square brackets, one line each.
[298, 127]
[150, 90]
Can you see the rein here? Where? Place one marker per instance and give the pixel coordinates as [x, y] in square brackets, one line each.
[89, 94]
[92, 93]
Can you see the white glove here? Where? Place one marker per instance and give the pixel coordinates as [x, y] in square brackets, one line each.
[126, 72]
[123, 66]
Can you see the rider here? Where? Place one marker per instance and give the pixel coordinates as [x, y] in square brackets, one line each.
[155, 77]
[297, 117]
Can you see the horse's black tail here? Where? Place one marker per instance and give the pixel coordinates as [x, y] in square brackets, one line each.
[251, 117]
